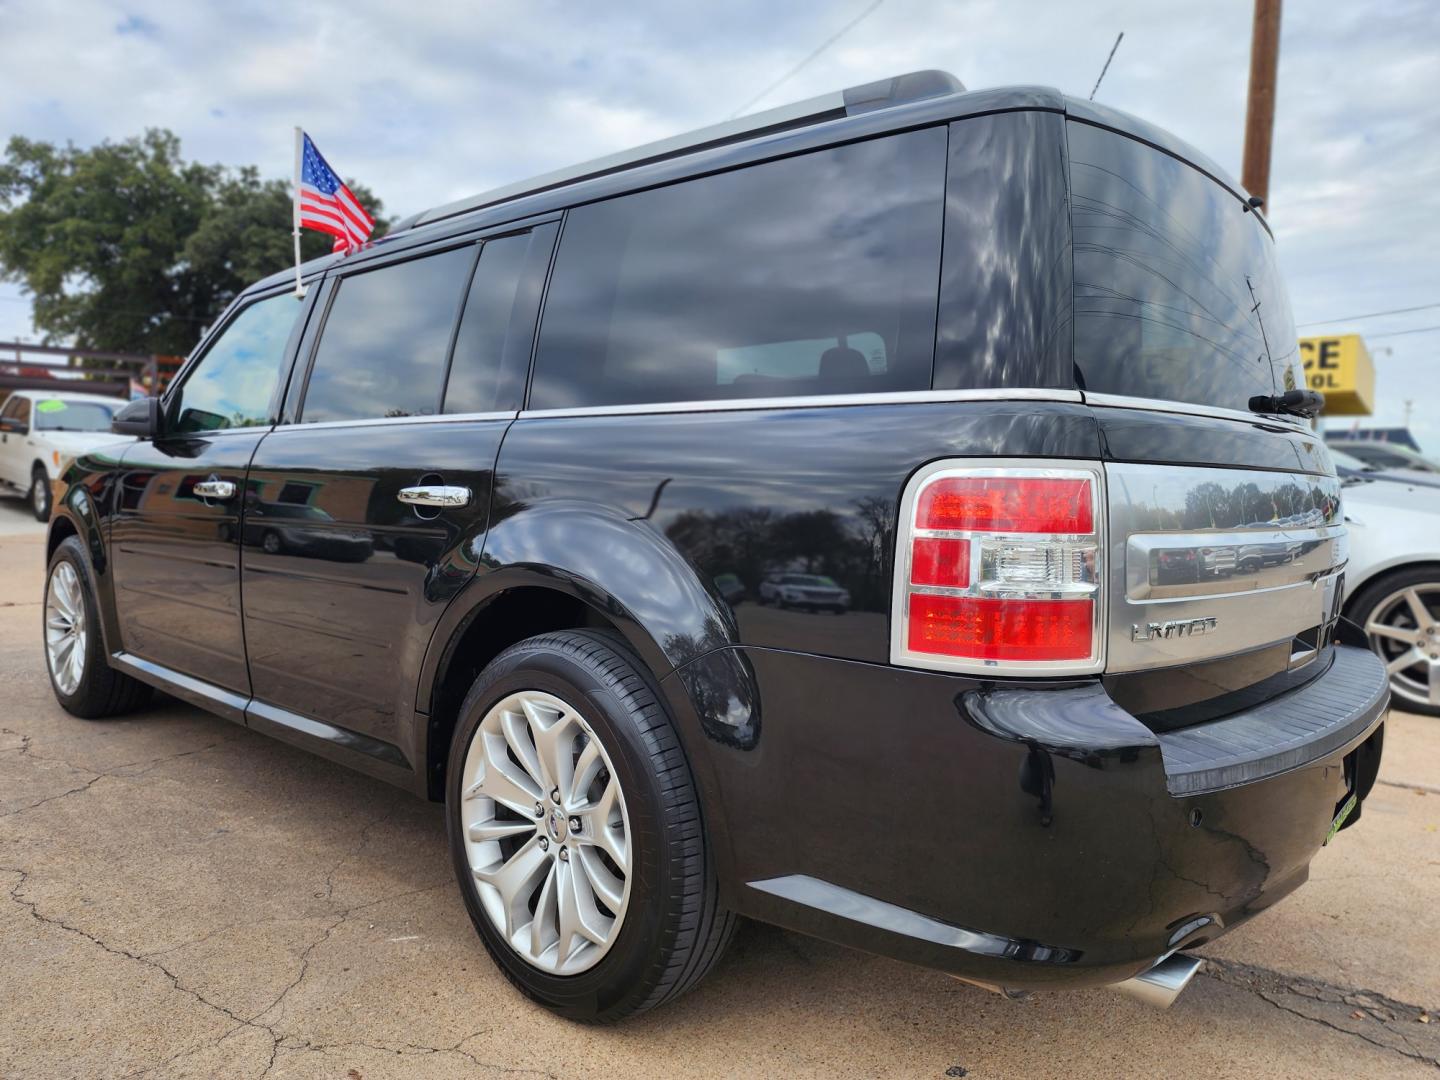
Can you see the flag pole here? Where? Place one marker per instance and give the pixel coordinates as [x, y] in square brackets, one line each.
[299, 151]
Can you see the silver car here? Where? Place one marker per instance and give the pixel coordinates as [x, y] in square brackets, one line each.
[1392, 583]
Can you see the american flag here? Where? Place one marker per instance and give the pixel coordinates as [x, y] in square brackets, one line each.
[326, 204]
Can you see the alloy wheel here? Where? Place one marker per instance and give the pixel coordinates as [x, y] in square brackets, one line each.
[546, 832]
[1404, 629]
[65, 633]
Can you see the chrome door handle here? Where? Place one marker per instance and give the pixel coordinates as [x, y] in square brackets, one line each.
[215, 489]
[434, 495]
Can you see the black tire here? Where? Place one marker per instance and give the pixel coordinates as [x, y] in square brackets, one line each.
[271, 543]
[40, 494]
[102, 691]
[1364, 604]
[674, 929]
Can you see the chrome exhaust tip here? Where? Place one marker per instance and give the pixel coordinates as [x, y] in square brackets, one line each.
[1161, 985]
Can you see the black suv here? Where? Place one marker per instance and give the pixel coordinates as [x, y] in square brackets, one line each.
[492, 513]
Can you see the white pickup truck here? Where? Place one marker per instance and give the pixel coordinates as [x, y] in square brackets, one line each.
[40, 430]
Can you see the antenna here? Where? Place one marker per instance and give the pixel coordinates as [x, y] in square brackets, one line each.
[1106, 68]
[797, 68]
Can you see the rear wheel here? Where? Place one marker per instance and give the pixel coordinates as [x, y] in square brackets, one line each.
[40, 494]
[575, 831]
[84, 682]
[1401, 616]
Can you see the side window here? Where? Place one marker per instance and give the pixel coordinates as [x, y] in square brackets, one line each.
[234, 383]
[383, 349]
[816, 274]
[18, 409]
[492, 349]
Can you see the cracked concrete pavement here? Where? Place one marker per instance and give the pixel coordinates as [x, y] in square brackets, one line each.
[180, 897]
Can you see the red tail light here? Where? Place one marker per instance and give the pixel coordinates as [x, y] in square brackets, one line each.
[998, 570]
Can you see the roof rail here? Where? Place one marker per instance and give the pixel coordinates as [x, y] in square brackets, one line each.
[898, 90]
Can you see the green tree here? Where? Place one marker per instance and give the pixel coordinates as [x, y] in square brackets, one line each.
[127, 246]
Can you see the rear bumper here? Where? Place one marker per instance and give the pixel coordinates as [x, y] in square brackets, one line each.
[1026, 837]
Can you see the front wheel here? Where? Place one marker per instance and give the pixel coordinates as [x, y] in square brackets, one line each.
[575, 831]
[1401, 616]
[40, 494]
[84, 682]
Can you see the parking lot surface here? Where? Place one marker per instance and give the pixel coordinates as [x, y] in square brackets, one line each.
[180, 897]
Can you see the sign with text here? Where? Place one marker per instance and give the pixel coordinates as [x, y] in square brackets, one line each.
[1340, 368]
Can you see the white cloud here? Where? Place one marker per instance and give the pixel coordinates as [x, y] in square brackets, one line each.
[428, 102]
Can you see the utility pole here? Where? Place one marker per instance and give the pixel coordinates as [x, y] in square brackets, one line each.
[1260, 109]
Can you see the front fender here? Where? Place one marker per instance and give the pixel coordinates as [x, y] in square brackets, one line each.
[82, 507]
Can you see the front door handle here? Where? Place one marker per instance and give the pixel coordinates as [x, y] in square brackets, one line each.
[434, 495]
[215, 489]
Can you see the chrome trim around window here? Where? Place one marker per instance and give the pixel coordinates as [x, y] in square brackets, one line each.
[387, 421]
[815, 401]
[1185, 408]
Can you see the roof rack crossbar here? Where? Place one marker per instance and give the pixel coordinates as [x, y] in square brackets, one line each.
[898, 90]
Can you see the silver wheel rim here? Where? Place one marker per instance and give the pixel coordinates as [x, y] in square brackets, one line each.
[1405, 630]
[65, 635]
[547, 836]
[39, 494]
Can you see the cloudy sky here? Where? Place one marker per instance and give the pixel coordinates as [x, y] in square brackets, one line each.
[430, 102]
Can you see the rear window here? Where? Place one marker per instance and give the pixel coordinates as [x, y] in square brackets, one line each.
[1177, 295]
[815, 274]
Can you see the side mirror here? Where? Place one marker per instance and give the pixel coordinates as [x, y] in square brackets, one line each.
[11, 426]
[140, 418]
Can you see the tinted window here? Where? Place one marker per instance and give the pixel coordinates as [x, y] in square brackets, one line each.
[492, 350]
[382, 351]
[1176, 290]
[17, 409]
[812, 275]
[233, 384]
[1005, 292]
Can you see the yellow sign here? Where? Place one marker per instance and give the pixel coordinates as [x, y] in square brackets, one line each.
[1341, 369]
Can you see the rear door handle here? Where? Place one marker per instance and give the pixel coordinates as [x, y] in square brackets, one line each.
[215, 489]
[434, 495]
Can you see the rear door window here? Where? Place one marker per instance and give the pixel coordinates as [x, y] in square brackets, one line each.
[386, 340]
[1177, 293]
[815, 274]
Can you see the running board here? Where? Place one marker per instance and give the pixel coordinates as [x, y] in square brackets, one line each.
[1162, 984]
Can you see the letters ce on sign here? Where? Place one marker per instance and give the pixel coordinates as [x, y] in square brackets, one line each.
[1340, 368]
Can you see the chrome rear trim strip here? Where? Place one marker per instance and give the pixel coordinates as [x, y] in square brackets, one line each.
[906, 397]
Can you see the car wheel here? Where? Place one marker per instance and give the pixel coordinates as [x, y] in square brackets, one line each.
[575, 831]
[40, 494]
[270, 542]
[1401, 616]
[84, 682]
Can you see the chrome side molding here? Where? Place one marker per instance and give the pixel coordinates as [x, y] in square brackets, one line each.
[1162, 984]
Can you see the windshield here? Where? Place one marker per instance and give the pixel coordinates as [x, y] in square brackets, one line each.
[1177, 295]
[1345, 461]
[57, 414]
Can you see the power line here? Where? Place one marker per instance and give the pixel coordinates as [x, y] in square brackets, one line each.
[796, 69]
[1399, 333]
[1369, 315]
[1106, 68]
[112, 311]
